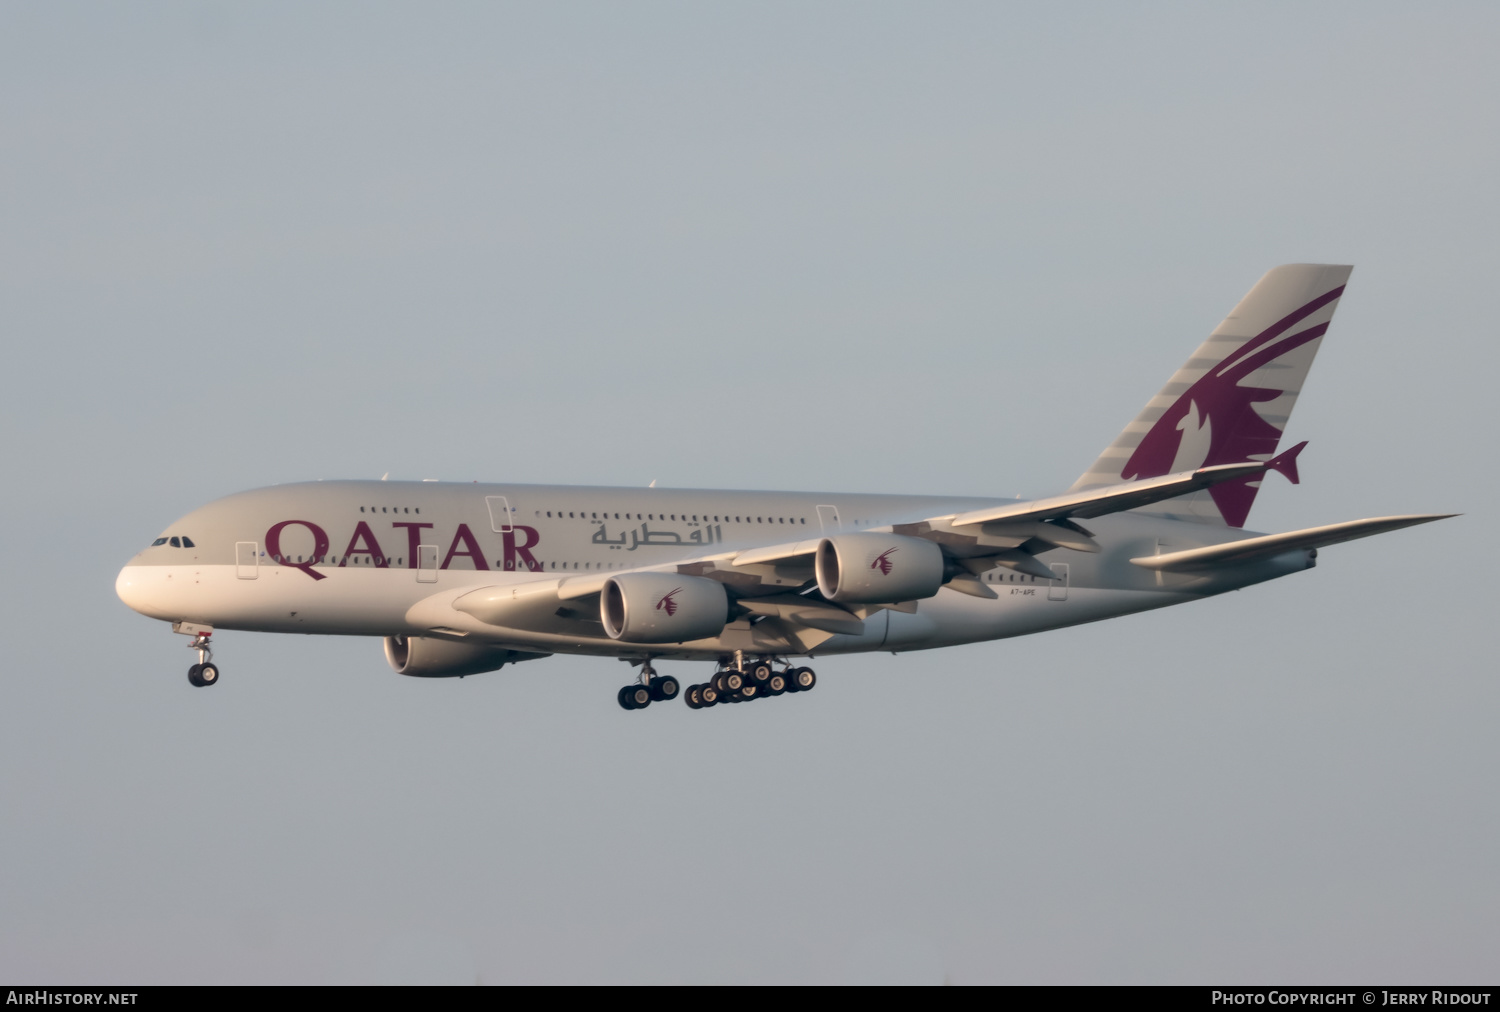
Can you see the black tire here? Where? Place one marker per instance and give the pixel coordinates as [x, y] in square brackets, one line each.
[690, 697]
[640, 695]
[208, 675]
[733, 680]
[718, 683]
[750, 690]
[760, 671]
[624, 697]
[776, 684]
[665, 687]
[193, 678]
[804, 679]
[709, 694]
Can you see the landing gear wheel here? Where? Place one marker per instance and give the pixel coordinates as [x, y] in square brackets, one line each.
[690, 697]
[802, 679]
[749, 690]
[776, 685]
[208, 675]
[708, 694]
[733, 681]
[193, 677]
[634, 697]
[760, 671]
[665, 687]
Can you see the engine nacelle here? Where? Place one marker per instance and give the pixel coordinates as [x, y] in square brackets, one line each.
[425, 657]
[662, 608]
[877, 568]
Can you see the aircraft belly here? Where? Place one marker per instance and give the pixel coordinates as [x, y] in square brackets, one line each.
[278, 599]
[951, 618]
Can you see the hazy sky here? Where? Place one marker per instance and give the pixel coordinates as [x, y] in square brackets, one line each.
[946, 248]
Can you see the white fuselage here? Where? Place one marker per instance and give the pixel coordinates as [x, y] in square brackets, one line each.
[371, 558]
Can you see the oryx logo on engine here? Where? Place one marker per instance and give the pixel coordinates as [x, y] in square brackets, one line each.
[667, 603]
[883, 562]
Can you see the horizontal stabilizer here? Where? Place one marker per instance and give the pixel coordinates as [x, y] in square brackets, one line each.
[1253, 549]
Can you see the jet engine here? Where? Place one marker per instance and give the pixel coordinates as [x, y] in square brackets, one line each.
[425, 657]
[662, 607]
[870, 568]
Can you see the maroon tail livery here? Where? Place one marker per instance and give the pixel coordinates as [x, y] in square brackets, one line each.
[1231, 401]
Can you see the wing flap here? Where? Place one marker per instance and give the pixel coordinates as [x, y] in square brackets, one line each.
[802, 611]
[1253, 549]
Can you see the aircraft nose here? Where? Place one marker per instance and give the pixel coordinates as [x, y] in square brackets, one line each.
[131, 587]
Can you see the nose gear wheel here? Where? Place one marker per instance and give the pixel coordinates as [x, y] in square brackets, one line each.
[205, 672]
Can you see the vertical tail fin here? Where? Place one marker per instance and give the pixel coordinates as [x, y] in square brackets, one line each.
[1230, 401]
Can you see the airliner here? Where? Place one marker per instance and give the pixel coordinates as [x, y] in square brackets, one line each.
[459, 579]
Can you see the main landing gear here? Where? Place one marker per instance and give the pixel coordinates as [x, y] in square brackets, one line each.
[652, 688]
[204, 673]
[744, 682]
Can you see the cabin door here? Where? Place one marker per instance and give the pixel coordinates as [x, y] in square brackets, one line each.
[427, 564]
[246, 559]
[502, 519]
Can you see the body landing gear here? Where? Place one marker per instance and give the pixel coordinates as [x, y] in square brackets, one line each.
[652, 688]
[743, 682]
[204, 673]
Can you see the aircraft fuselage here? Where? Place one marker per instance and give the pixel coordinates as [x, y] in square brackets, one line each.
[387, 558]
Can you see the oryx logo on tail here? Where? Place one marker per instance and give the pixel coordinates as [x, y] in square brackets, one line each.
[1230, 402]
[668, 602]
[883, 562]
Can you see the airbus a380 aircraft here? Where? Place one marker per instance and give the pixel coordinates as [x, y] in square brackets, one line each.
[461, 579]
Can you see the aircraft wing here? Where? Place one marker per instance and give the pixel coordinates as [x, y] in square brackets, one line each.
[1195, 560]
[1096, 502]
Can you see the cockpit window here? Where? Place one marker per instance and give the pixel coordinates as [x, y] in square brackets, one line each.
[158, 541]
[187, 542]
[176, 542]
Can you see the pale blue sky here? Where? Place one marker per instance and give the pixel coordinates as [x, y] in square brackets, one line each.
[945, 248]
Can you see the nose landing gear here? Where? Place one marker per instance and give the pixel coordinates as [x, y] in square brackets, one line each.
[204, 673]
